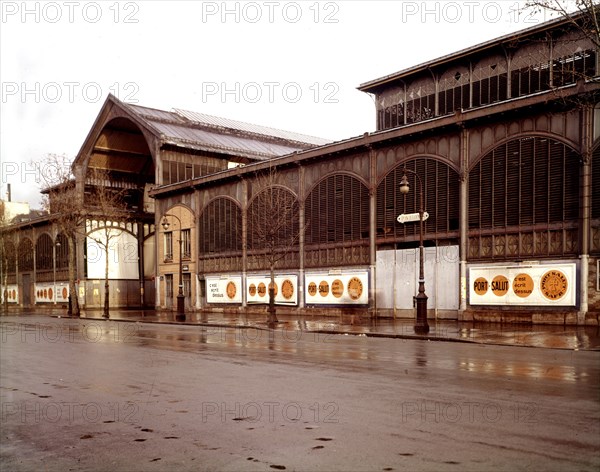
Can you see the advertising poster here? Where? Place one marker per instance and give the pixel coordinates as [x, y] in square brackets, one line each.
[45, 293]
[345, 288]
[286, 289]
[536, 285]
[11, 293]
[224, 289]
[62, 292]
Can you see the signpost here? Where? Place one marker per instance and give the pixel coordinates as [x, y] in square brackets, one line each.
[410, 217]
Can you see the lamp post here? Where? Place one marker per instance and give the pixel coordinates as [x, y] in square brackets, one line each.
[180, 296]
[421, 326]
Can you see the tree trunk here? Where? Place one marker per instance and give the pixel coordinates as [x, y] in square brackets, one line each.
[106, 286]
[272, 318]
[4, 287]
[74, 305]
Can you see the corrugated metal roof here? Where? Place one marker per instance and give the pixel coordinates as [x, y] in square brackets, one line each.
[202, 118]
[211, 133]
[212, 140]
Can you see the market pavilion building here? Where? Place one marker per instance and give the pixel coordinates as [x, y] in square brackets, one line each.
[499, 145]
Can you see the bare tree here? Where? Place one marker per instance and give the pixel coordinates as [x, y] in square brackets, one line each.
[583, 14]
[5, 237]
[107, 201]
[273, 226]
[67, 212]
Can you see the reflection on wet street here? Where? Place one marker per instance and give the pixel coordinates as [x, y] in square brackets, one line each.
[533, 335]
[221, 393]
[310, 343]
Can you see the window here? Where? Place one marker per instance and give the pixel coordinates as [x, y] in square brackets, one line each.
[220, 227]
[273, 219]
[441, 201]
[187, 285]
[186, 243]
[25, 255]
[337, 210]
[174, 172]
[43, 252]
[526, 181]
[169, 246]
[169, 289]
[454, 91]
[62, 251]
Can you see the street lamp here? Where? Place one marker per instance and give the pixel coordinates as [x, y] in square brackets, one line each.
[421, 326]
[180, 296]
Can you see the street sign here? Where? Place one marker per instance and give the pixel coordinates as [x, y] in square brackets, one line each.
[410, 217]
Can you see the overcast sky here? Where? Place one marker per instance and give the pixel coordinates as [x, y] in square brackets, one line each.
[288, 65]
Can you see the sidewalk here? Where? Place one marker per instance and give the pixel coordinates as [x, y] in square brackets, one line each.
[544, 336]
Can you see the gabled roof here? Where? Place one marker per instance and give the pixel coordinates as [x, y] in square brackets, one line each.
[190, 130]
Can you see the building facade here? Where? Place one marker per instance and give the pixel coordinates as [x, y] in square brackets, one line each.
[499, 145]
[134, 148]
[501, 142]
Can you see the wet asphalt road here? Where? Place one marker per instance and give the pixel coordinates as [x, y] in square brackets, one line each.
[104, 395]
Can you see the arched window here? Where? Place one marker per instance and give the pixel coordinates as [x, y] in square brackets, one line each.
[25, 255]
[43, 252]
[524, 181]
[62, 251]
[221, 227]
[273, 219]
[440, 195]
[337, 210]
[530, 187]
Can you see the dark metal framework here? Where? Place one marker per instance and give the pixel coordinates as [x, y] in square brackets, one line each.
[44, 253]
[337, 220]
[337, 210]
[62, 251]
[220, 243]
[441, 193]
[25, 255]
[523, 200]
[11, 256]
[533, 68]
[595, 210]
[174, 171]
